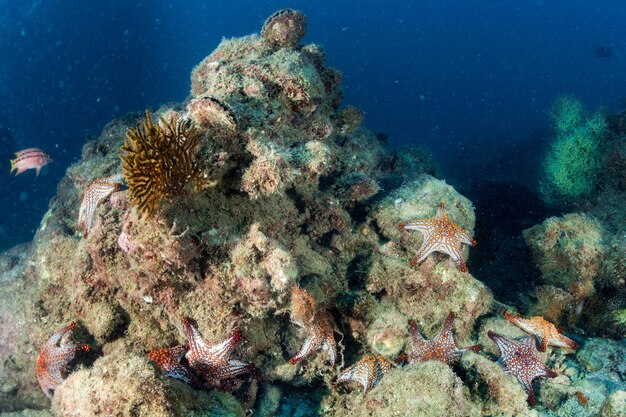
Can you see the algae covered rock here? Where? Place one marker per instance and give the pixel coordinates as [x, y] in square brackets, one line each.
[502, 393]
[569, 252]
[295, 193]
[126, 384]
[428, 389]
[581, 260]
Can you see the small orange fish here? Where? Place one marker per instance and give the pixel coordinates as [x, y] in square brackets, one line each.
[28, 159]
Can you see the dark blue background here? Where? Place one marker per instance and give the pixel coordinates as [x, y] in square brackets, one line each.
[472, 80]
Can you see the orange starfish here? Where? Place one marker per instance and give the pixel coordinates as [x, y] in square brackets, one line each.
[368, 372]
[318, 326]
[442, 348]
[440, 235]
[546, 332]
[53, 360]
[96, 193]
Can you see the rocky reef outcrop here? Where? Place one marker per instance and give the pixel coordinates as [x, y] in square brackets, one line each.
[284, 192]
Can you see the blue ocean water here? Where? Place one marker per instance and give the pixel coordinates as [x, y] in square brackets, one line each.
[471, 80]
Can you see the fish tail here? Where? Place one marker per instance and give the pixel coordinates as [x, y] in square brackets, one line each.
[13, 167]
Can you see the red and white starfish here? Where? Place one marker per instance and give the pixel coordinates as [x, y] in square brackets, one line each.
[442, 348]
[319, 336]
[210, 363]
[51, 365]
[368, 372]
[95, 193]
[520, 358]
[169, 361]
[440, 235]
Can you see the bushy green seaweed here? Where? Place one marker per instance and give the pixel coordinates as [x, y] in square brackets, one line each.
[573, 163]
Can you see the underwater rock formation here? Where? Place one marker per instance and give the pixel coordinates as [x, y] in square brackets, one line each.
[295, 219]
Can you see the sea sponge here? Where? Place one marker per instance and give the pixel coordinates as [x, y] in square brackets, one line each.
[573, 163]
[284, 28]
[157, 160]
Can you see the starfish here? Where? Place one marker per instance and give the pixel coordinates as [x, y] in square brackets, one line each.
[169, 361]
[98, 191]
[368, 372]
[545, 332]
[209, 362]
[317, 325]
[440, 235]
[319, 336]
[442, 348]
[520, 358]
[51, 365]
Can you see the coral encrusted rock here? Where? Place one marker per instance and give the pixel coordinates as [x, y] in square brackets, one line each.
[294, 193]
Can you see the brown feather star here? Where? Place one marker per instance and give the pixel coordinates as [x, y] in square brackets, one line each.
[520, 358]
[545, 332]
[98, 191]
[440, 235]
[368, 372]
[51, 365]
[442, 348]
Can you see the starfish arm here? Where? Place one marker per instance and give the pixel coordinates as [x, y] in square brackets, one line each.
[528, 387]
[441, 211]
[181, 373]
[428, 247]
[235, 368]
[220, 352]
[447, 325]
[473, 348]
[505, 345]
[69, 351]
[456, 256]
[360, 372]
[168, 360]
[565, 342]
[466, 238]
[520, 322]
[81, 213]
[309, 346]
[56, 337]
[197, 344]
[530, 342]
[89, 212]
[415, 339]
[424, 226]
